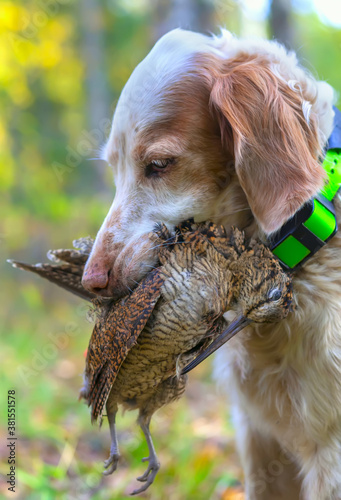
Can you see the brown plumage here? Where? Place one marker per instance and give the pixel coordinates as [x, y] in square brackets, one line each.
[112, 338]
[67, 268]
[141, 345]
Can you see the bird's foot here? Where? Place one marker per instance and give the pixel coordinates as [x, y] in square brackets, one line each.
[111, 464]
[150, 474]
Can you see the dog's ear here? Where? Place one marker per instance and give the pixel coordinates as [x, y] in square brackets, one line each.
[276, 147]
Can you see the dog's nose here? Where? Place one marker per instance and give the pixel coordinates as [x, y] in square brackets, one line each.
[96, 281]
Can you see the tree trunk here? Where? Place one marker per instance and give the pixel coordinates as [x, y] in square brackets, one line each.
[98, 106]
[281, 24]
[195, 15]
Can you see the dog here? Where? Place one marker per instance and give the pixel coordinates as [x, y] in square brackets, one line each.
[233, 130]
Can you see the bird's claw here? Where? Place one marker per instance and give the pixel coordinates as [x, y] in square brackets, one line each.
[111, 464]
[149, 476]
[152, 470]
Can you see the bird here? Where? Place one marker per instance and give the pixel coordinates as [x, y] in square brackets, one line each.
[143, 345]
[66, 269]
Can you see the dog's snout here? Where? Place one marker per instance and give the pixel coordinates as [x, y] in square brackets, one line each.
[96, 280]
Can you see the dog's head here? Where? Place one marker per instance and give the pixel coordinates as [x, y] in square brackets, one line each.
[208, 128]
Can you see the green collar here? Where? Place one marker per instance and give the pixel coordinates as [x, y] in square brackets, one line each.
[314, 224]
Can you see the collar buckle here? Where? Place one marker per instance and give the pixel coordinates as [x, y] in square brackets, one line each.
[305, 233]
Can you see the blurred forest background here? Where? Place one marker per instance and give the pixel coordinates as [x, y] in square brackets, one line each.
[63, 65]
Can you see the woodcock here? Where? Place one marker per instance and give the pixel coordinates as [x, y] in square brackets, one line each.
[142, 346]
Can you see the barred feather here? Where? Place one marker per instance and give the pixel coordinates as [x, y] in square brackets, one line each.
[113, 337]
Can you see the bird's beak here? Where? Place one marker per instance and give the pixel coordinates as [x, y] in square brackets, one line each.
[233, 328]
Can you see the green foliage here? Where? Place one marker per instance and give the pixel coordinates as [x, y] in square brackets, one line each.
[319, 50]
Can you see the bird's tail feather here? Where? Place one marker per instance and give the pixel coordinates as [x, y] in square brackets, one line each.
[62, 275]
[98, 393]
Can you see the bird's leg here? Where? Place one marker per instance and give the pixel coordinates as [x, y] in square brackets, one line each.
[111, 464]
[153, 463]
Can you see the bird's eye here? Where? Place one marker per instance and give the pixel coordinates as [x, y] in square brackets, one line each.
[275, 294]
[156, 166]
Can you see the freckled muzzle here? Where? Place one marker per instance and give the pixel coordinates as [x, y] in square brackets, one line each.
[117, 272]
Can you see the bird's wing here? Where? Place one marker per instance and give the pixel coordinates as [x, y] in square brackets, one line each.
[70, 256]
[67, 268]
[84, 244]
[67, 276]
[114, 336]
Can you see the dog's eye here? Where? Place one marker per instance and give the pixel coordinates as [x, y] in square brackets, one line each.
[156, 166]
[161, 163]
